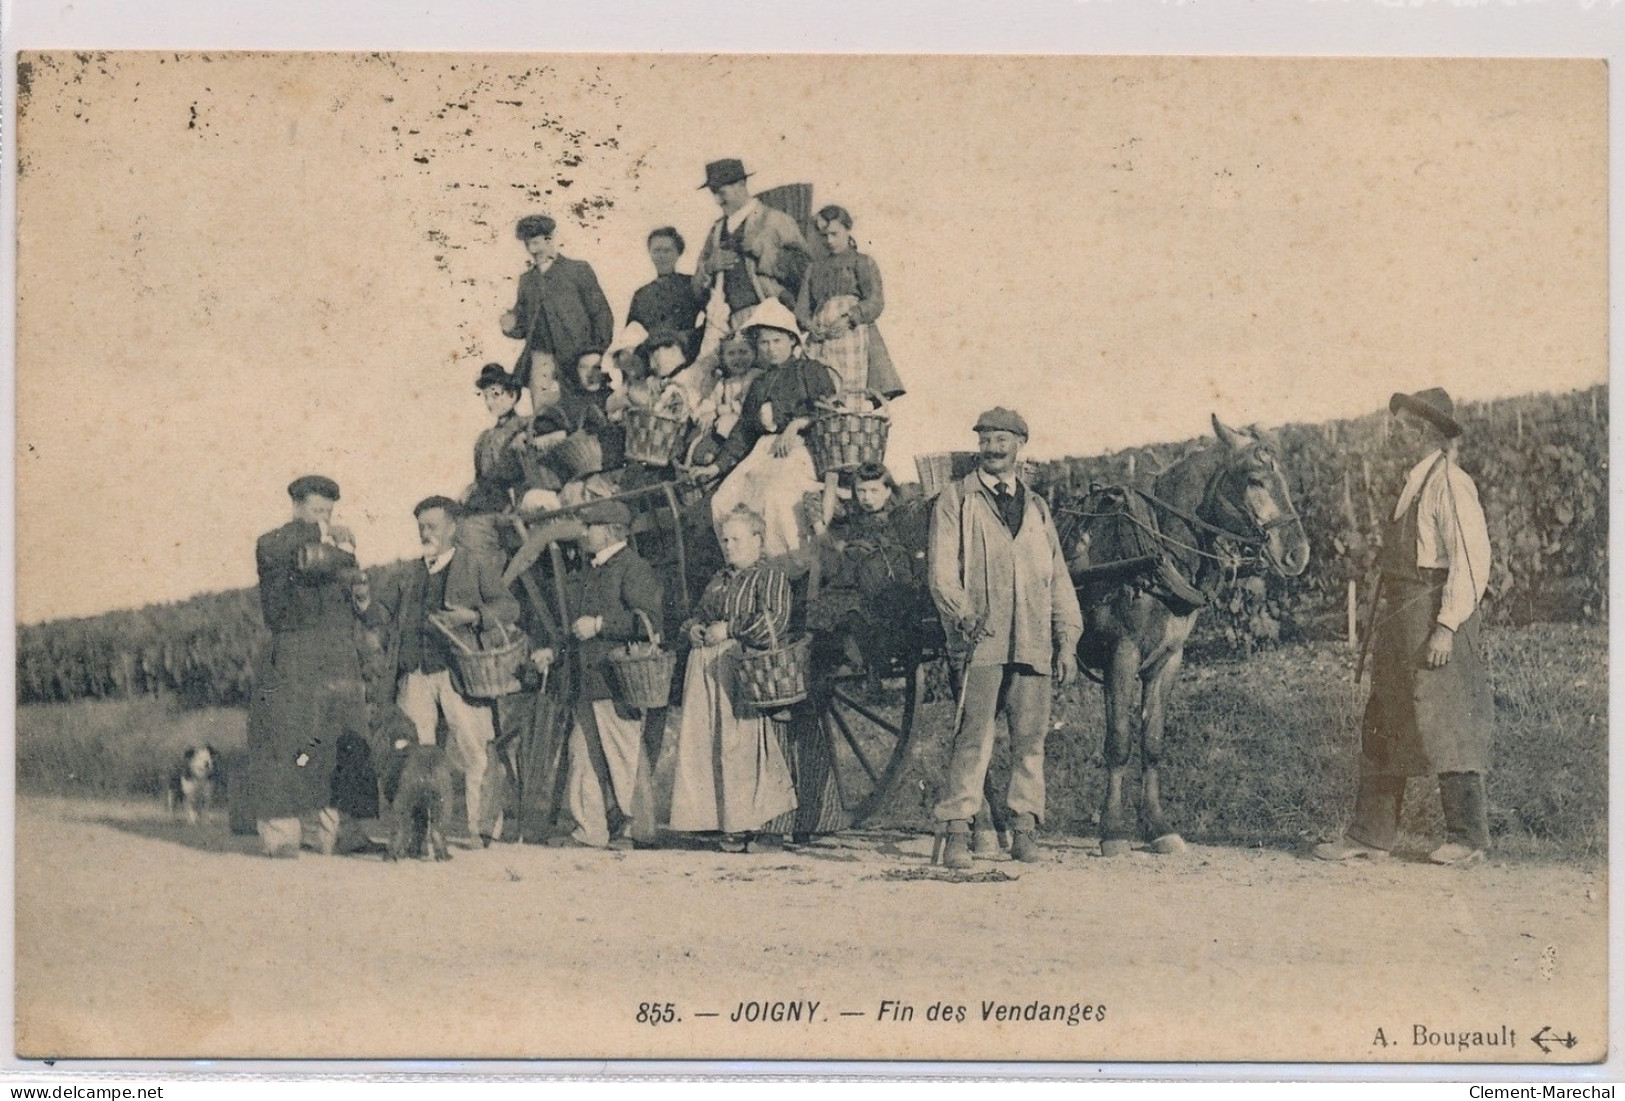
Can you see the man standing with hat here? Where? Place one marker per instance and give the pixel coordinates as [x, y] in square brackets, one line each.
[1431, 710]
[609, 767]
[753, 254]
[1001, 585]
[460, 587]
[307, 685]
[561, 311]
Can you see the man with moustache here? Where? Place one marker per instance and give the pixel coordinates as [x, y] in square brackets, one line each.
[753, 253]
[1001, 586]
[463, 588]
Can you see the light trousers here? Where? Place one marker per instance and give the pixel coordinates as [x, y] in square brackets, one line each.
[423, 697]
[1024, 697]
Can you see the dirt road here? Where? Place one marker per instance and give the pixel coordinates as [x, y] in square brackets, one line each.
[139, 937]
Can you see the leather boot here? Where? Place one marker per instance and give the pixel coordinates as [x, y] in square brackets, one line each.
[1466, 818]
[952, 847]
[1376, 812]
[1022, 845]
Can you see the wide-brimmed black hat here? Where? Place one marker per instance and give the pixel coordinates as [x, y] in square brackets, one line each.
[1432, 405]
[316, 484]
[729, 170]
[493, 374]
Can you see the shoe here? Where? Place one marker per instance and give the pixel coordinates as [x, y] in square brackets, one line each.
[1345, 848]
[952, 848]
[1023, 846]
[984, 842]
[485, 841]
[565, 841]
[1455, 853]
[731, 843]
[764, 843]
[284, 853]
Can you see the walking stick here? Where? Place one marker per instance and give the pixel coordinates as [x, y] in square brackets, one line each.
[1370, 629]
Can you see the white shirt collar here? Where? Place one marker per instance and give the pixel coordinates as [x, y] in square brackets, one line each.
[992, 480]
[1414, 480]
[737, 218]
[437, 564]
[607, 553]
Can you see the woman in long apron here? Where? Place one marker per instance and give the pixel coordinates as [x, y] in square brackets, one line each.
[840, 300]
[732, 773]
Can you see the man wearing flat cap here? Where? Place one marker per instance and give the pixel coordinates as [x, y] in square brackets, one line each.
[1431, 710]
[609, 791]
[561, 311]
[753, 254]
[307, 685]
[1001, 586]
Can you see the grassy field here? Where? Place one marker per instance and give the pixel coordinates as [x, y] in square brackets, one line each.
[1261, 752]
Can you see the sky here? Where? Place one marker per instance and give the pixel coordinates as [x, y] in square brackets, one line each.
[237, 268]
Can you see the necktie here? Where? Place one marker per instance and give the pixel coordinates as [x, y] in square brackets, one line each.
[1009, 507]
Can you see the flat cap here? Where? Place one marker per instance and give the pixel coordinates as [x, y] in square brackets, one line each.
[606, 512]
[313, 484]
[1000, 419]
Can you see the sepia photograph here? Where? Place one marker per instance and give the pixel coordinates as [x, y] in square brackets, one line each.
[963, 558]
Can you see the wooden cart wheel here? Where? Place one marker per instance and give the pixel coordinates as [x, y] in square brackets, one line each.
[873, 736]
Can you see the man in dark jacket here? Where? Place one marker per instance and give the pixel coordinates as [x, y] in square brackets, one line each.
[608, 765]
[308, 689]
[561, 311]
[461, 588]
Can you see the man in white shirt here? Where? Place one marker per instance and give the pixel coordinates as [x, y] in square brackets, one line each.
[1431, 710]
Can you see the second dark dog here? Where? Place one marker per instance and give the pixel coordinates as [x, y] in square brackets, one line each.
[417, 784]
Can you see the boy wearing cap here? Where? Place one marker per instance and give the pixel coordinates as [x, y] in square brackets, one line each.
[1001, 586]
[560, 311]
[609, 768]
[308, 688]
[1431, 710]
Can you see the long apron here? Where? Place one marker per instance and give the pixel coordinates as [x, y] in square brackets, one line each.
[731, 772]
[1421, 721]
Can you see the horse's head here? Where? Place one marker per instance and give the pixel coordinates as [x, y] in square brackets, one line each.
[1249, 496]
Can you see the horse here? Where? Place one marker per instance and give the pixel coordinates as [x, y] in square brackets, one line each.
[1145, 562]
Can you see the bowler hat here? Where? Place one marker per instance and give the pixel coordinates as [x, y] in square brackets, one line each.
[313, 484]
[606, 512]
[492, 374]
[1432, 405]
[729, 170]
[1000, 419]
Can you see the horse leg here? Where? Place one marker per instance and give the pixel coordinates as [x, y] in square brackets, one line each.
[1157, 686]
[1122, 707]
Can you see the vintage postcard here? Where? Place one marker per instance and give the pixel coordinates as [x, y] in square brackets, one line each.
[733, 557]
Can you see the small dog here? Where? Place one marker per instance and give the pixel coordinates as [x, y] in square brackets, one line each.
[417, 784]
[192, 783]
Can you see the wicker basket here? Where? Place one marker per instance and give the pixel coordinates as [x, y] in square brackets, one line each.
[775, 677]
[937, 470]
[843, 439]
[485, 672]
[643, 671]
[581, 453]
[652, 437]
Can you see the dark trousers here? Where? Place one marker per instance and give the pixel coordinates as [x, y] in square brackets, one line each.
[1381, 799]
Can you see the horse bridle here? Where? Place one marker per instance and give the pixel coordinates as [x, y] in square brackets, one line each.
[1250, 543]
